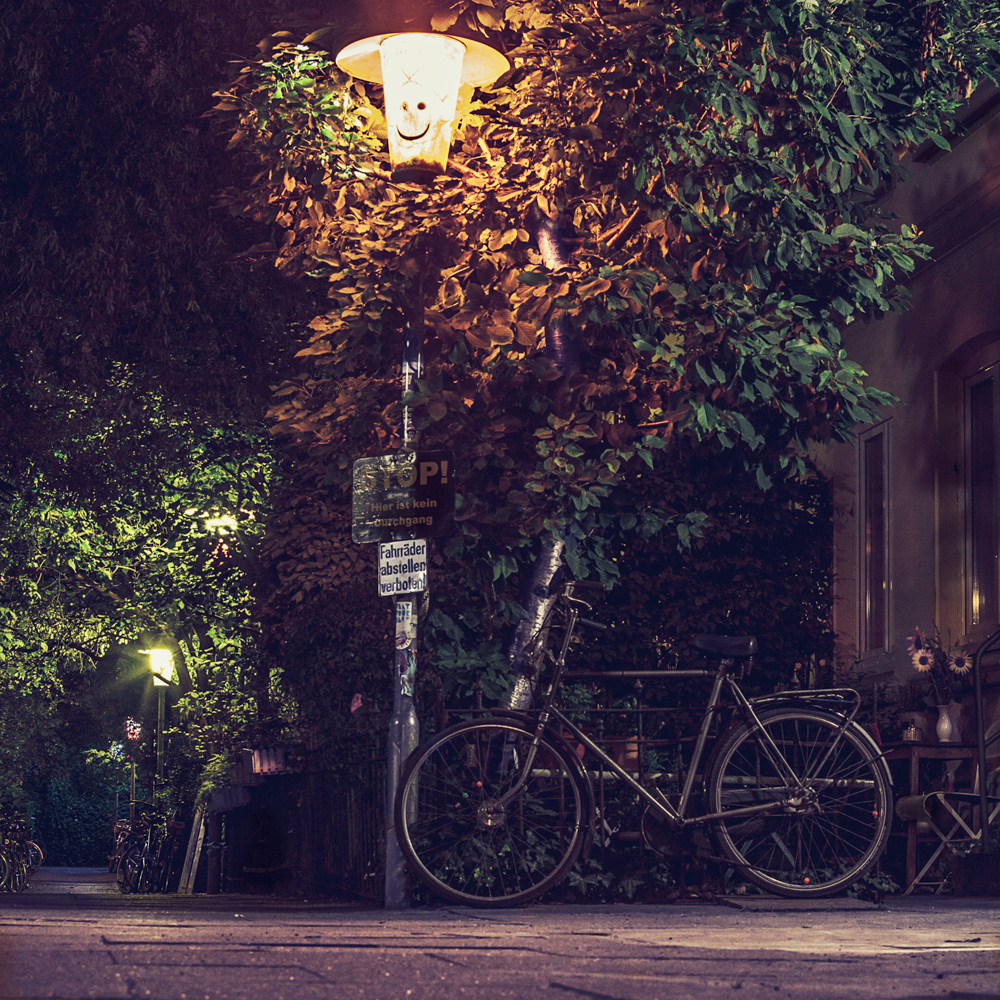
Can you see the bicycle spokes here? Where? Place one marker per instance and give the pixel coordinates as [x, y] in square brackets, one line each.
[481, 826]
[817, 836]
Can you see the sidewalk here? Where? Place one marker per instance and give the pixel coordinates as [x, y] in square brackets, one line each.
[75, 881]
[97, 887]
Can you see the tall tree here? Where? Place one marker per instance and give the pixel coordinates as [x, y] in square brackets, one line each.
[135, 352]
[714, 169]
[118, 281]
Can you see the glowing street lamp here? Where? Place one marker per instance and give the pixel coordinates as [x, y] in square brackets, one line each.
[161, 663]
[421, 73]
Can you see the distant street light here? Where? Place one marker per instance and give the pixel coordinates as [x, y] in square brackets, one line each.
[161, 663]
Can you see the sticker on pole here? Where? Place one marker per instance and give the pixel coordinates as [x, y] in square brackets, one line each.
[402, 567]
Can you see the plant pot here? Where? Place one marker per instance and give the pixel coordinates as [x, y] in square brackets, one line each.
[546, 759]
[976, 874]
[626, 752]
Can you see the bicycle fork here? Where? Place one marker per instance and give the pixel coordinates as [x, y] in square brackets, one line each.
[507, 760]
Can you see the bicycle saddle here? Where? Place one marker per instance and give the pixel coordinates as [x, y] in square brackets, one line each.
[725, 645]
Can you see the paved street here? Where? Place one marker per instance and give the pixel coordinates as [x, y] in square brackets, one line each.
[71, 936]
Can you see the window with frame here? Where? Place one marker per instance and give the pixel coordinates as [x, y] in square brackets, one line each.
[982, 592]
[874, 537]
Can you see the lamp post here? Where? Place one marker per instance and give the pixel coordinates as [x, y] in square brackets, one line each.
[133, 733]
[161, 663]
[422, 74]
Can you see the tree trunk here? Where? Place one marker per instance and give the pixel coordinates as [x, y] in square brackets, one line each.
[561, 347]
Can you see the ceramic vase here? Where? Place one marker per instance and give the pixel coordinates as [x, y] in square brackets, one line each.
[946, 727]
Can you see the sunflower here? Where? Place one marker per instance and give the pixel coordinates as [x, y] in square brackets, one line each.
[941, 666]
[959, 663]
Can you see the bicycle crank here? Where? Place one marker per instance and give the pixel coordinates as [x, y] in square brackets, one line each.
[662, 836]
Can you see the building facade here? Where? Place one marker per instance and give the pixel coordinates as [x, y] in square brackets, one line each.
[917, 499]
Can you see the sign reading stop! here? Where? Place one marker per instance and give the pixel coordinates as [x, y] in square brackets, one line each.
[402, 496]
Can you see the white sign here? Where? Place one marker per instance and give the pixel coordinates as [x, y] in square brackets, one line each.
[402, 567]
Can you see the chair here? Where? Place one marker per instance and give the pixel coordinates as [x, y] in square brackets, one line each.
[953, 817]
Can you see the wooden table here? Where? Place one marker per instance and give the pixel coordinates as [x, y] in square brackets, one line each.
[915, 752]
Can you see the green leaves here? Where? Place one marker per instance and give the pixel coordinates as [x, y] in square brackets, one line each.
[710, 180]
[533, 279]
[81, 581]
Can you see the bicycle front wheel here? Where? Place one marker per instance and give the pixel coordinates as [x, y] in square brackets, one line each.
[819, 835]
[480, 829]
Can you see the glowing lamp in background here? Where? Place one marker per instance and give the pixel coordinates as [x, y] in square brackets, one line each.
[161, 662]
[421, 74]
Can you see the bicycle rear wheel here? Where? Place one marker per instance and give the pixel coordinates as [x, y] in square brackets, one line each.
[818, 839]
[129, 869]
[35, 856]
[469, 845]
[17, 871]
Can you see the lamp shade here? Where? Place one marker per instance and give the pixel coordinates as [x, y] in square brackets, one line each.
[421, 73]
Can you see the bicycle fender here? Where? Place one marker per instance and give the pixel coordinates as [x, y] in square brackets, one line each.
[823, 699]
[780, 701]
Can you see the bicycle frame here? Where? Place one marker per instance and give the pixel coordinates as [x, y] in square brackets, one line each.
[496, 810]
[722, 680]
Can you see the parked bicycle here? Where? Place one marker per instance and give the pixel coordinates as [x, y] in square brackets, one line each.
[148, 855]
[20, 856]
[496, 811]
[121, 831]
[36, 856]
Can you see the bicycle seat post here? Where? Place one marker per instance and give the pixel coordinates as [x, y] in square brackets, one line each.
[726, 664]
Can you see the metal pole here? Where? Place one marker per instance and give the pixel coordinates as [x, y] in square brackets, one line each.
[404, 729]
[160, 693]
[412, 368]
[214, 883]
[404, 734]
[984, 802]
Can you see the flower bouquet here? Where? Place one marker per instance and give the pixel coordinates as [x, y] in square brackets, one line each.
[943, 667]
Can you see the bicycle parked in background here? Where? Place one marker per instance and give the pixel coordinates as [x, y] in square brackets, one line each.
[496, 811]
[149, 853]
[20, 856]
